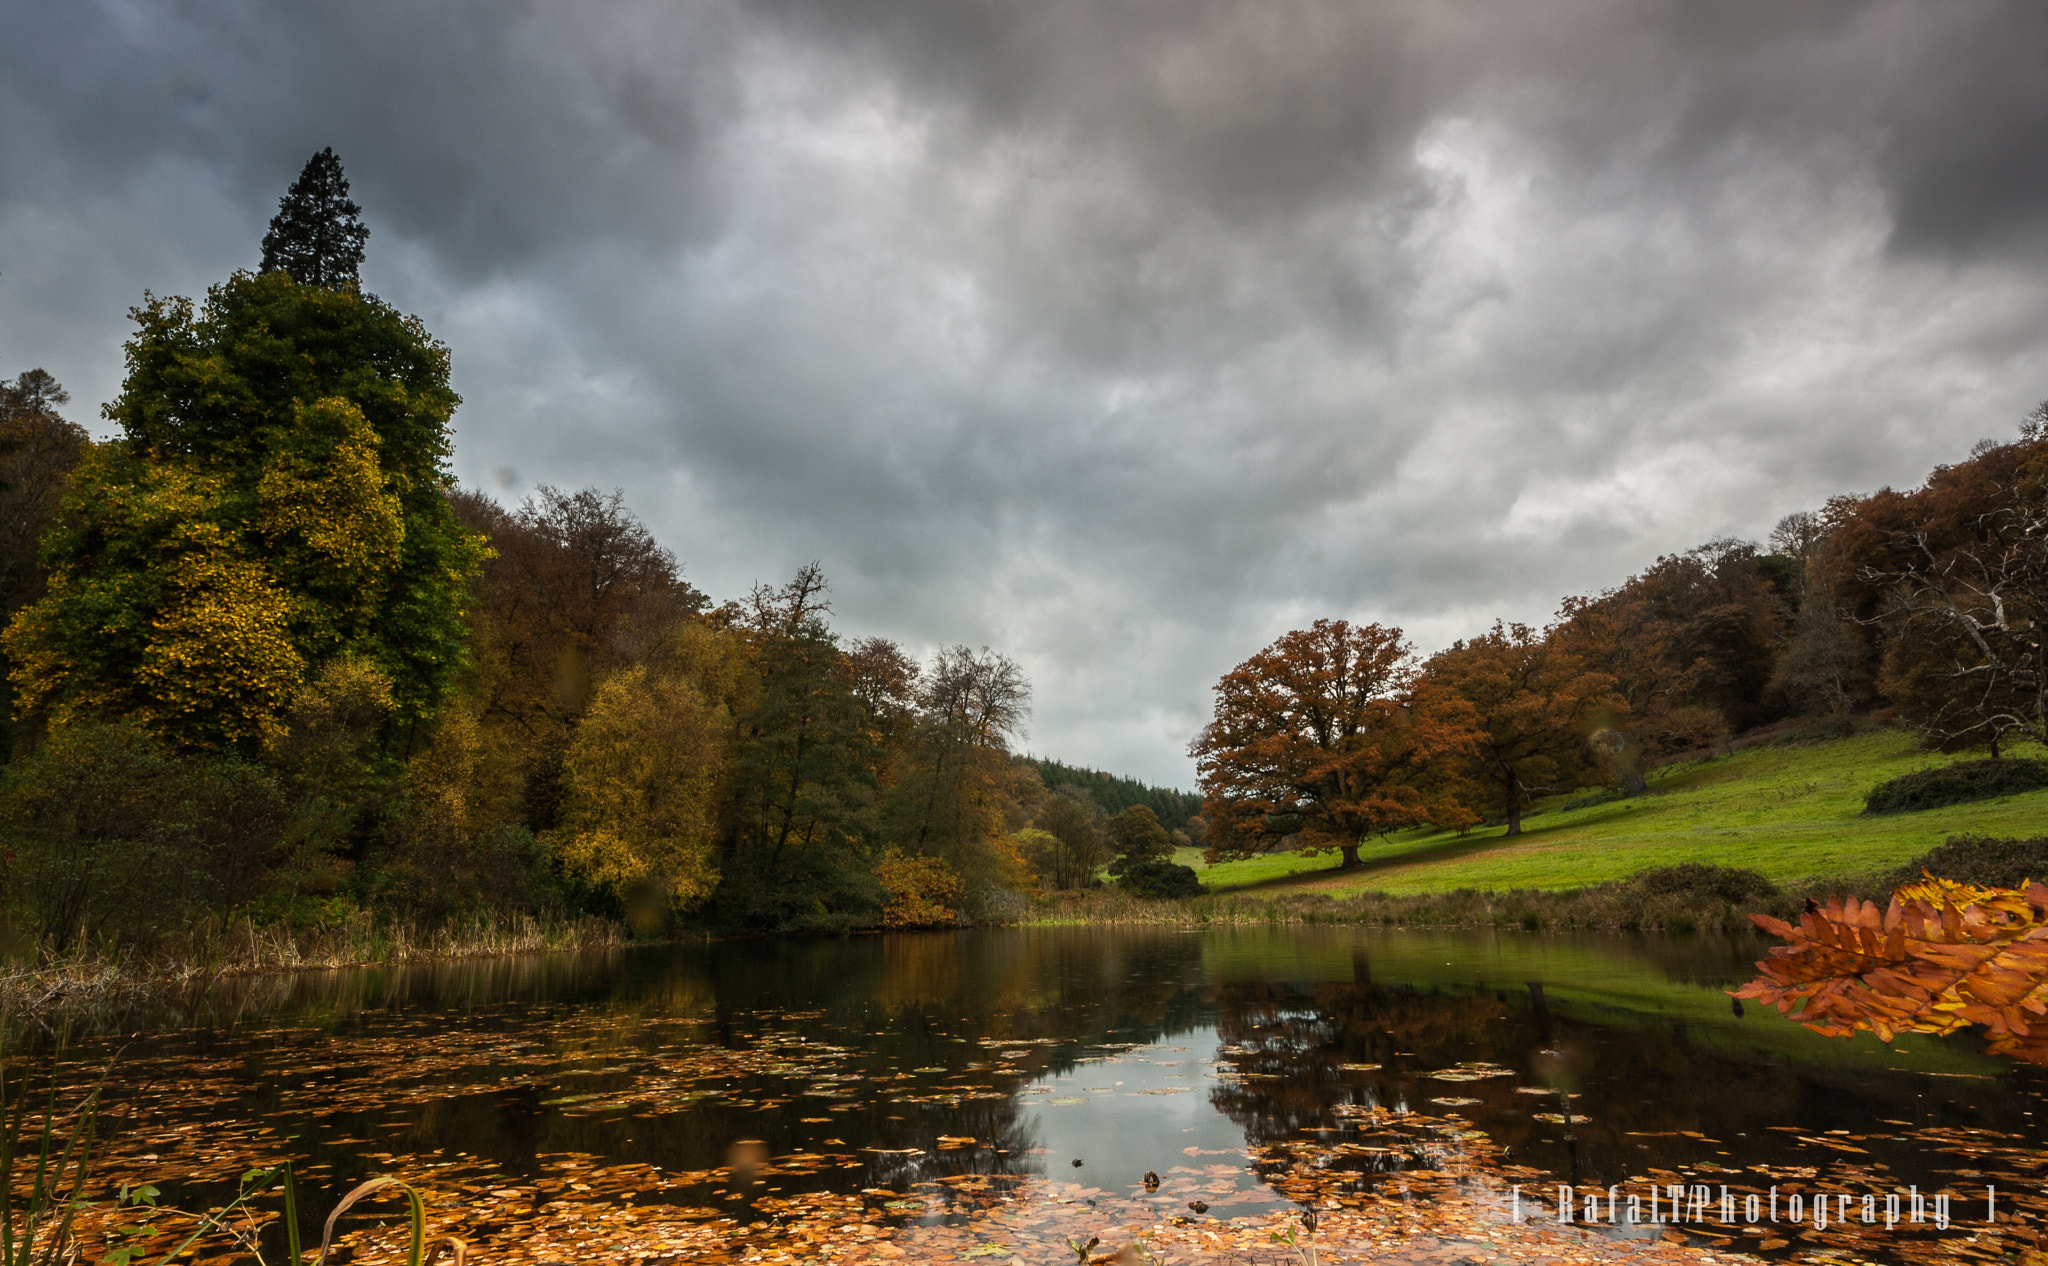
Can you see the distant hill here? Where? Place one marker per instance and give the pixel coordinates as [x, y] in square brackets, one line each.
[1115, 793]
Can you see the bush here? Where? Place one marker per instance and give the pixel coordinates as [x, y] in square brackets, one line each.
[1980, 859]
[106, 834]
[919, 892]
[1731, 884]
[1160, 881]
[812, 891]
[1959, 783]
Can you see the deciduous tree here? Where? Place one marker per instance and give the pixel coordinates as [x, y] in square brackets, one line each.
[1137, 838]
[1536, 705]
[1328, 735]
[278, 497]
[644, 776]
[1965, 599]
[1073, 849]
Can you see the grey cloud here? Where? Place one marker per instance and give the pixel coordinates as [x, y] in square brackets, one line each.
[1120, 336]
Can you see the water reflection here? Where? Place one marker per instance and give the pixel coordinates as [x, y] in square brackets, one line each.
[881, 1066]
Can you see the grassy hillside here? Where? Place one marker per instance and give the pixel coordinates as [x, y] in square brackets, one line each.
[1791, 812]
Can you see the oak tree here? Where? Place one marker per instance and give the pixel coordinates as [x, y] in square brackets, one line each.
[1536, 704]
[1963, 580]
[1329, 736]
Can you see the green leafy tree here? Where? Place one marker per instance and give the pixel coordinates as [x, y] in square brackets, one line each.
[1138, 839]
[277, 498]
[317, 236]
[1071, 849]
[795, 846]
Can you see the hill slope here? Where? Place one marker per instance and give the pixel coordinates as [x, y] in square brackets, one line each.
[1790, 812]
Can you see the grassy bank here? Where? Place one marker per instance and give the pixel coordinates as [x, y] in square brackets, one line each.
[1792, 812]
[1616, 906]
[229, 948]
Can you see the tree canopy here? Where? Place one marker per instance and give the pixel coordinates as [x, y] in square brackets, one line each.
[1328, 736]
[278, 497]
[1536, 704]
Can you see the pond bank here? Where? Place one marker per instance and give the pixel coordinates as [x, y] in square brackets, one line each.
[1709, 901]
[218, 950]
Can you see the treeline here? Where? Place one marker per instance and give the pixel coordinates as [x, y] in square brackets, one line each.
[586, 732]
[265, 661]
[1925, 608]
[1115, 793]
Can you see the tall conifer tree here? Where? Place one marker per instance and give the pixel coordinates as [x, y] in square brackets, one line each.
[316, 235]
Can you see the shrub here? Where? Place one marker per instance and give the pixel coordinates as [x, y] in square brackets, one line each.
[108, 834]
[1160, 880]
[918, 892]
[804, 892]
[1731, 884]
[1959, 783]
[1980, 859]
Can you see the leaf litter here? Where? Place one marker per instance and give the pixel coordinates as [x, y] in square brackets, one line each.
[1384, 1183]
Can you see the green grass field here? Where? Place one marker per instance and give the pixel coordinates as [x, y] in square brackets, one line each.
[1792, 812]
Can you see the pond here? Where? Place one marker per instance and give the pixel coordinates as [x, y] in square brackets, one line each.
[770, 1098]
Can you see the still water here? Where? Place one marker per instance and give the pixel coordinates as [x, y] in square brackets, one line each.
[1089, 1055]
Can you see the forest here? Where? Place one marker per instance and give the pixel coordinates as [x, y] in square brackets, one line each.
[268, 663]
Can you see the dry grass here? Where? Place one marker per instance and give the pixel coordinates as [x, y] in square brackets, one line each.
[219, 949]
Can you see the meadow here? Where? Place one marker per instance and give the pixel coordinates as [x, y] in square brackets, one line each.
[1792, 811]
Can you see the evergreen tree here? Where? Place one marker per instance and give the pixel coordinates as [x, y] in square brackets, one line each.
[316, 235]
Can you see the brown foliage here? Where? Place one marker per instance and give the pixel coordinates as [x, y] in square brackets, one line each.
[1943, 956]
[1536, 700]
[578, 588]
[1689, 645]
[1956, 575]
[1328, 735]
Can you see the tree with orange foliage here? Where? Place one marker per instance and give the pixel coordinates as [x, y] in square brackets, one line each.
[1536, 703]
[1327, 735]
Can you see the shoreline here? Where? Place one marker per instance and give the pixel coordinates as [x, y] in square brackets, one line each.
[205, 957]
[202, 958]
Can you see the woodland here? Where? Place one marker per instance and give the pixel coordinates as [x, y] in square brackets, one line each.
[268, 664]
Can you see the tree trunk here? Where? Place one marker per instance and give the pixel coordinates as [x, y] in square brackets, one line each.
[1632, 783]
[1350, 857]
[1515, 811]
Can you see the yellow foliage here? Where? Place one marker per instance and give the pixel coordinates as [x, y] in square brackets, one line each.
[920, 891]
[642, 780]
[333, 518]
[216, 662]
[220, 653]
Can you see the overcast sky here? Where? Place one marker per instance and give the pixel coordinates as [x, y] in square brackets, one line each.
[1121, 337]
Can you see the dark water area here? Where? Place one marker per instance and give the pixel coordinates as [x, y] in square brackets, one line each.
[1086, 1054]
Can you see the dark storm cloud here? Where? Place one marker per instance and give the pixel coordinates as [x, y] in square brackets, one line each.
[1121, 336]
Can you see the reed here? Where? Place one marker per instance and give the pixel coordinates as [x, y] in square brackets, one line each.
[36, 1223]
[224, 947]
